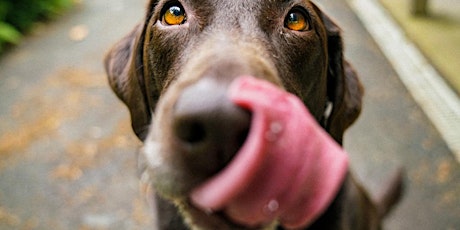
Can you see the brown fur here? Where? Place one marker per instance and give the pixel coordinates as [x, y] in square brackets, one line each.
[153, 65]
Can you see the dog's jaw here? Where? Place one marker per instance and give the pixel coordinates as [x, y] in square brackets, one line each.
[316, 172]
[197, 219]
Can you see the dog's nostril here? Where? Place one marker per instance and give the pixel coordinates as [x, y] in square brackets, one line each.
[191, 132]
[242, 136]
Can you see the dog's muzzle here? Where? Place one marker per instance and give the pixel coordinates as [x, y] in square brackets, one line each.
[208, 128]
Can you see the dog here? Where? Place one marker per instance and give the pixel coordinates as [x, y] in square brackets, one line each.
[174, 69]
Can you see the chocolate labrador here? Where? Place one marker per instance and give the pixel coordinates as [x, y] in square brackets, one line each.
[174, 72]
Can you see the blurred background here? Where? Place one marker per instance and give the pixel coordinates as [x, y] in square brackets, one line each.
[68, 154]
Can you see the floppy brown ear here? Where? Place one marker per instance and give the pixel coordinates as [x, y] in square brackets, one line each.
[123, 64]
[344, 88]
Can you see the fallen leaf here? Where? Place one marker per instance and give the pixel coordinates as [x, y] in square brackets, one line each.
[78, 33]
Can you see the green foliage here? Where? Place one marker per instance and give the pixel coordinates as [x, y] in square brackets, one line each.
[8, 33]
[18, 16]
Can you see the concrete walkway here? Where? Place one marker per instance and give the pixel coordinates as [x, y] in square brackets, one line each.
[67, 153]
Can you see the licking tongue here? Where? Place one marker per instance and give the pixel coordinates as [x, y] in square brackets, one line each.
[289, 169]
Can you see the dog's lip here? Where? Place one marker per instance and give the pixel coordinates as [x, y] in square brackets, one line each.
[275, 175]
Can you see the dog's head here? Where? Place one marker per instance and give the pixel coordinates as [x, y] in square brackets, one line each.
[178, 64]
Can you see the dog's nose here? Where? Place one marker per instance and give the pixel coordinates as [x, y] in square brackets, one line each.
[208, 127]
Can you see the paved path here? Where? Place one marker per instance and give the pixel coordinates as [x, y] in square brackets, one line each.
[392, 130]
[67, 154]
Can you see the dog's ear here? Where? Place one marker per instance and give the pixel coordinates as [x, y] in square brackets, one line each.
[123, 64]
[344, 88]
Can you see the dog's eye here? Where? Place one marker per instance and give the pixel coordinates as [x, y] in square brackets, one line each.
[297, 20]
[174, 15]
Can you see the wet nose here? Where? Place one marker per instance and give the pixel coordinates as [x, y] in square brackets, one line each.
[208, 127]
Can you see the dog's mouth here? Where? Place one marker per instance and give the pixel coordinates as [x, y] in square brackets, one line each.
[287, 170]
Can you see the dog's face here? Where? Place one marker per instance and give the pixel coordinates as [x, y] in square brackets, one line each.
[181, 60]
[283, 42]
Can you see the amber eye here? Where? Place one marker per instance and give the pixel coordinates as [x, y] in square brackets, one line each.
[174, 15]
[297, 20]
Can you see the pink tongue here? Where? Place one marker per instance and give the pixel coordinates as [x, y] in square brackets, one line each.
[289, 168]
